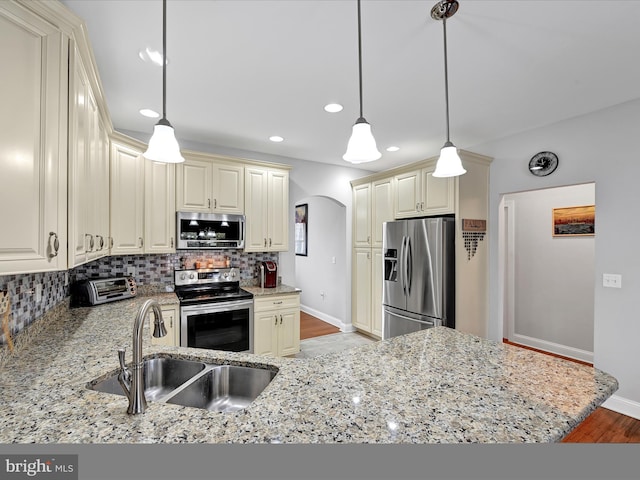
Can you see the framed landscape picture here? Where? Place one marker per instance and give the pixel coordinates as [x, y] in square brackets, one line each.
[574, 221]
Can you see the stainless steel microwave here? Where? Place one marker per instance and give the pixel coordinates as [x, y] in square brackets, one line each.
[202, 231]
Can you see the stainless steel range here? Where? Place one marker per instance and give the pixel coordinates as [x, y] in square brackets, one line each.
[215, 313]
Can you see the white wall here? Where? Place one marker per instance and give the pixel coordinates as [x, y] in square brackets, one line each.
[552, 277]
[321, 273]
[600, 147]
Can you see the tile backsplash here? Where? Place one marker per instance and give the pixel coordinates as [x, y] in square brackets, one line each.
[149, 270]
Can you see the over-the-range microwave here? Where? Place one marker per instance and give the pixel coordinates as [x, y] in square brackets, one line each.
[200, 231]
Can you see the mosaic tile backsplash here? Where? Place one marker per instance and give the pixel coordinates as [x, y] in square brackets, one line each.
[150, 270]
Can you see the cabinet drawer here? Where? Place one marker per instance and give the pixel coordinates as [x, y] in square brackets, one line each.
[277, 302]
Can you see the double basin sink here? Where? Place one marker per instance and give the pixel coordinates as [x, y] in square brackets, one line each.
[191, 383]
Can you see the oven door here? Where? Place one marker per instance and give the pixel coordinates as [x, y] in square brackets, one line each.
[224, 326]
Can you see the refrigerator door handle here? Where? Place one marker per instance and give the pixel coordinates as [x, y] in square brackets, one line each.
[409, 262]
[401, 266]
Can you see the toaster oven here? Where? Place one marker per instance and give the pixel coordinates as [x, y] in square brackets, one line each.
[96, 291]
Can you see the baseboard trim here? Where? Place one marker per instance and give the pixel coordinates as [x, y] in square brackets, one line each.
[556, 348]
[336, 322]
[623, 405]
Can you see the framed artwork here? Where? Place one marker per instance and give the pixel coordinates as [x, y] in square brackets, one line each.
[574, 221]
[301, 232]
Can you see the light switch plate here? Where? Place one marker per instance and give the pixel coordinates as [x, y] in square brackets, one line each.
[611, 280]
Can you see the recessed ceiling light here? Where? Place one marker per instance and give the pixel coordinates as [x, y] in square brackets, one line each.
[333, 108]
[149, 113]
[276, 138]
[393, 149]
[153, 56]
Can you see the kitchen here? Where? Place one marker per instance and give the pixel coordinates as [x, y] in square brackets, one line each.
[613, 350]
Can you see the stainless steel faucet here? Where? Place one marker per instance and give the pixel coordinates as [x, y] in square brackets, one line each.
[133, 383]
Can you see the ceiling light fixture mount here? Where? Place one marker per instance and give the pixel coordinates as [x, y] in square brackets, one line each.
[362, 146]
[163, 146]
[449, 163]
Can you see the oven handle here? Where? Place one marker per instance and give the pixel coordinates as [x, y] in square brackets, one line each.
[216, 307]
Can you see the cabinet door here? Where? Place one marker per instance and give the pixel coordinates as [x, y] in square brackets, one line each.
[228, 188]
[265, 332]
[376, 291]
[438, 193]
[194, 186]
[361, 289]
[160, 210]
[278, 211]
[102, 205]
[33, 143]
[408, 194]
[255, 210]
[362, 215]
[127, 200]
[170, 317]
[80, 205]
[289, 331]
[381, 208]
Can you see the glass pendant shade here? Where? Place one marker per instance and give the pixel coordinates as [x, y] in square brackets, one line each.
[163, 146]
[362, 146]
[449, 163]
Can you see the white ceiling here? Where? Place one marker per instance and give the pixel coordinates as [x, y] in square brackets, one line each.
[240, 71]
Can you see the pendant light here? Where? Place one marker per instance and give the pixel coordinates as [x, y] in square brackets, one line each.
[362, 146]
[163, 146]
[449, 163]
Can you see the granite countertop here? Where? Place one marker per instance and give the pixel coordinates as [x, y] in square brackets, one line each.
[281, 289]
[437, 385]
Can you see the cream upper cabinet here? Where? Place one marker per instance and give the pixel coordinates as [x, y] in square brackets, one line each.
[142, 202]
[88, 189]
[207, 184]
[372, 206]
[159, 207]
[418, 193]
[33, 143]
[127, 199]
[266, 209]
[276, 325]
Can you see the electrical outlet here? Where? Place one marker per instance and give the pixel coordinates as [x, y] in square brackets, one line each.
[322, 294]
[38, 293]
[611, 280]
[131, 271]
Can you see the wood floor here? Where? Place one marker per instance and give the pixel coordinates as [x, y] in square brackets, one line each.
[602, 426]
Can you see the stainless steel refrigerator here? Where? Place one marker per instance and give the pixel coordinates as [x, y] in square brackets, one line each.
[419, 275]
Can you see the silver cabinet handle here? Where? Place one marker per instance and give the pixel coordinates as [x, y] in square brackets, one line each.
[54, 244]
[265, 242]
[215, 203]
[101, 242]
[208, 203]
[368, 238]
[110, 242]
[422, 206]
[171, 242]
[276, 317]
[418, 207]
[88, 238]
[269, 241]
[277, 303]
[141, 242]
[280, 319]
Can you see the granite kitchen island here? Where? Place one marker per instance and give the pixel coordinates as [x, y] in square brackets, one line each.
[434, 386]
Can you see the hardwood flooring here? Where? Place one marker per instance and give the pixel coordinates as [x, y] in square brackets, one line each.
[602, 426]
[311, 326]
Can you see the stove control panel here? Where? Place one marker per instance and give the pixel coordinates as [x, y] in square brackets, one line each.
[206, 276]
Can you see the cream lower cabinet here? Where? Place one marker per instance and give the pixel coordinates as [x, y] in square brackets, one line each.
[366, 290]
[33, 142]
[171, 317]
[276, 325]
[209, 184]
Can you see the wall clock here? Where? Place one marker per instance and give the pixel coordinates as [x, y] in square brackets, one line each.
[543, 164]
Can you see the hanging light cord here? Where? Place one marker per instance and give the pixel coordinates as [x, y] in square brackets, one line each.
[360, 58]
[446, 75]
[164, 59]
